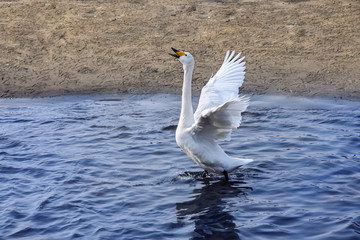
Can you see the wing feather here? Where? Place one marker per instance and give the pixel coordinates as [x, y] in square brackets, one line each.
[224, 85]
[217, 123]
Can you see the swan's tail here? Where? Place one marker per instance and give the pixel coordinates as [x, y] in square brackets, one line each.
[238, 162]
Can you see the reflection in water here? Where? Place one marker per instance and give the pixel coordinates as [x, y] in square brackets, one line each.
[208, 210]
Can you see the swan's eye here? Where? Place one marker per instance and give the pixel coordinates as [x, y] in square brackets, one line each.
[186, 55]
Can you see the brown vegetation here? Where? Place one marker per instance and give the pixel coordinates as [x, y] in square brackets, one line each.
[309, 48]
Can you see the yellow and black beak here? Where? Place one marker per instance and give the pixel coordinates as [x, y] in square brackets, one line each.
[177, 53]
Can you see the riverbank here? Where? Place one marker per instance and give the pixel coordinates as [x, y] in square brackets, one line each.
[308, 48]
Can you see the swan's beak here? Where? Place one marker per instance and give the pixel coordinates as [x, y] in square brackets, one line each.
[177, 53]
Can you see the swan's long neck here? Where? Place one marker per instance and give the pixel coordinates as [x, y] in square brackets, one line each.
[187, 114]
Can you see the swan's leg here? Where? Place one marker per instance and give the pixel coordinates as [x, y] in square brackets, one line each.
[226, 176]
[204, 174]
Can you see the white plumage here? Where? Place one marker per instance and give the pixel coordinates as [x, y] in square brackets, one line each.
[218, 113]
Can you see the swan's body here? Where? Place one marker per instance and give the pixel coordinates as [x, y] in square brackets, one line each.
[218, 113]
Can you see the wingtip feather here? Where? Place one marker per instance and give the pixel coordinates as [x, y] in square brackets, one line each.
[231, 56]
[226, 56]
[236, 57]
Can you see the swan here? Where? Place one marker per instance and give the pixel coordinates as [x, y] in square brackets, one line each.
[218, 113]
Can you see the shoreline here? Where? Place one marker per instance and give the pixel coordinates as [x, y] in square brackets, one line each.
[296, 48]
[194, 95]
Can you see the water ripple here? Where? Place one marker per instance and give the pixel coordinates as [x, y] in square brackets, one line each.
[107, 167]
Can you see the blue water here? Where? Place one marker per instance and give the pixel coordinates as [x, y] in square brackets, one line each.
[107, 167]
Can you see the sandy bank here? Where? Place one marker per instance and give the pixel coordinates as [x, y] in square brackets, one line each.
[309, 48]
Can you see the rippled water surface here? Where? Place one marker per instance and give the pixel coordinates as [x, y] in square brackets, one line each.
[107, 167]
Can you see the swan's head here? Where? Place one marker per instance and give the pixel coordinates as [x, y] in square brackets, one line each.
[184, 57]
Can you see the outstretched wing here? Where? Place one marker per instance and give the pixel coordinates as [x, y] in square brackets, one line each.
[224, 86]
[218, 122]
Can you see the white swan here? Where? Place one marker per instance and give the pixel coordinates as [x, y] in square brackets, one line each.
[218, 113]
